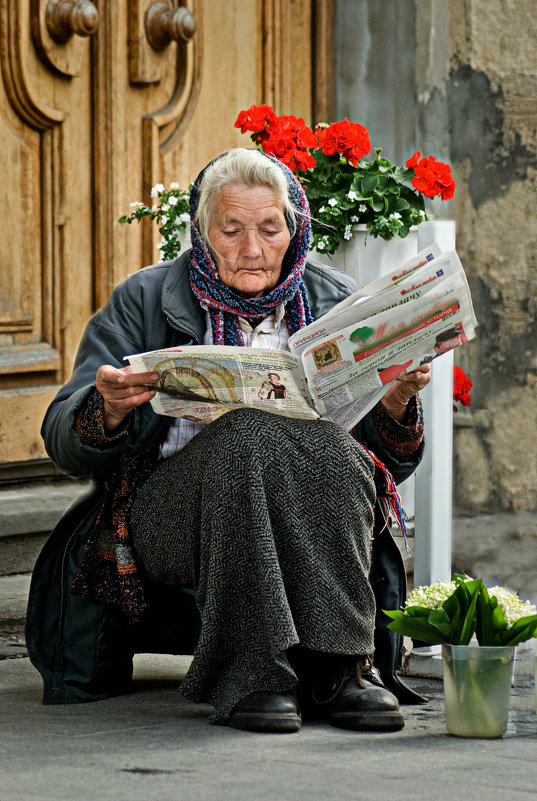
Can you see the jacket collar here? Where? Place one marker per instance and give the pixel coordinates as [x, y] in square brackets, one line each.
[179, 304]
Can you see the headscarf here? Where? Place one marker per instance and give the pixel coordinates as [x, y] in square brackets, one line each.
[226, 306]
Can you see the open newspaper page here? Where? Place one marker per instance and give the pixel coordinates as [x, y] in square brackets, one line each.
[340, 365]
[385, 282]
[202, 382]
[350, 358]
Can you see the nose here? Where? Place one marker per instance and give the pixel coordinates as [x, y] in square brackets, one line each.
[251, 246]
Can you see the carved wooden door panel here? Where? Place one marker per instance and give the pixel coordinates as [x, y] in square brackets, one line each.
[98, 102]
[91, 92]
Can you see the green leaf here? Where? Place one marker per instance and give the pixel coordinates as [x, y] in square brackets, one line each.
[414, 623]
[379, 204]
[417, 630]
[367, 185]
[522, 629]
[440, 620]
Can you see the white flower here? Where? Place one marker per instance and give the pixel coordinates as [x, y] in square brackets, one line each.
[332, 201]
[173, 201]
[362, 208]
[320, 245]
[136, 204]
[352, 195]
[163, 219]
[347, 234]
[513, 607]
[395, 216]
[162, 243]
[184, 217]
[433, 596]
[157, 189]
[354, 218]
[165, 207]
[322, 210]
[174, 185]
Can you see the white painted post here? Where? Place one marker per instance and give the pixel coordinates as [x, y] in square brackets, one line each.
[426, 495]
[433, 478]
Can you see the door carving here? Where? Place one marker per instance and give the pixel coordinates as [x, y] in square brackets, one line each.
[72, 72]
[99, 101]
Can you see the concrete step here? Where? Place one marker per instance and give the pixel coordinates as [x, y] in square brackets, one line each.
[13, 601]
[28, 513]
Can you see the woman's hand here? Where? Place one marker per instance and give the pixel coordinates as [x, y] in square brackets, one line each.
[122, 391]
[396, 399]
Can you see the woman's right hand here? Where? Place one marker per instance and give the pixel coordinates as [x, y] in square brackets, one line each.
[122, 391]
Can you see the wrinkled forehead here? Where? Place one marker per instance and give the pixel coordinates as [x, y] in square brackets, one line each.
[247, 205]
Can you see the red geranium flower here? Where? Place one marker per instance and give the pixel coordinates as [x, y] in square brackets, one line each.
[431, 177]
[255, 119]
[282, 148]
[288, 139]
[348, 138]
[331, 165]
[461, 386]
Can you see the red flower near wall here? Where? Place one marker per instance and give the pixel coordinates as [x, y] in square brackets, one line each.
[461, 387]
[431, 177]
[348, 138]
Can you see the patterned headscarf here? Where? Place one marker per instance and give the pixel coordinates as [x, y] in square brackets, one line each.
[226, 306]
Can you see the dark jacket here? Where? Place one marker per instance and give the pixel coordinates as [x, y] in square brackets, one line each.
[84, 649]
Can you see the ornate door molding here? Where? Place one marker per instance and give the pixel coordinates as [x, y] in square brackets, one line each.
[76, 83]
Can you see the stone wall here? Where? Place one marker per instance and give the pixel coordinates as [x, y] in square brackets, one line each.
[491, 97]
[458, 78]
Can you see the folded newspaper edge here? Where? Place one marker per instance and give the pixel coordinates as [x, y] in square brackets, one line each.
[339, 366]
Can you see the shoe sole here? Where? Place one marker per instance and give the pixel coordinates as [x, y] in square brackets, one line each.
[285, 723]
[368, 721]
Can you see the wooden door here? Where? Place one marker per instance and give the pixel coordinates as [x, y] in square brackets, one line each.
[97, 104]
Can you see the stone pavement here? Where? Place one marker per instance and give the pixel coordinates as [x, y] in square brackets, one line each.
[153, 744]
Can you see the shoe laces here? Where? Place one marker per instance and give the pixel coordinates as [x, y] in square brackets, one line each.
[360, 668]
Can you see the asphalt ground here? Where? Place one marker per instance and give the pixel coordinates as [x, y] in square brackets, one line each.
[154, 745]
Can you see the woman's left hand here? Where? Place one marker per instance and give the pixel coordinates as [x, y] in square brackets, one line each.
[405, 386]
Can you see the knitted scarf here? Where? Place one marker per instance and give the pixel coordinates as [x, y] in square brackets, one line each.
[226, 306]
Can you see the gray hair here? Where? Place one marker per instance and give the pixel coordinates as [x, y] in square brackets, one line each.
[246, 168]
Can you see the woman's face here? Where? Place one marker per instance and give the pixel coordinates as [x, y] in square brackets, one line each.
[249, 238]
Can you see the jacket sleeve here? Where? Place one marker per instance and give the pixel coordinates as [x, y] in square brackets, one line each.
[399, 447]
[114, 332]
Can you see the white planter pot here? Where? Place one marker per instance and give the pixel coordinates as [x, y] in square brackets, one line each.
[365, 257]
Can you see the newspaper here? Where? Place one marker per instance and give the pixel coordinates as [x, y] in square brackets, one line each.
[339, 366]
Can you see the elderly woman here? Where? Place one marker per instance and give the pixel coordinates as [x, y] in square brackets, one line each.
[267, 520]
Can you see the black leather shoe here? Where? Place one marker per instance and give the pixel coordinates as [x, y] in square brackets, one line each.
[360, 701]
[267, 712]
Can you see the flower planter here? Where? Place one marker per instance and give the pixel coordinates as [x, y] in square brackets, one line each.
[477, 684]
[365, 257]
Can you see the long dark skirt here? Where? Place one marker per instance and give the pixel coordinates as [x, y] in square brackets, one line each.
[269, 519]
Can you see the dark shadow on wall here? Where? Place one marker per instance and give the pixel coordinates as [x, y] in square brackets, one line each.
[477, 133]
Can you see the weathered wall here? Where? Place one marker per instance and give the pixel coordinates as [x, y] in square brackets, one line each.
[470, 98]
[491, 95]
